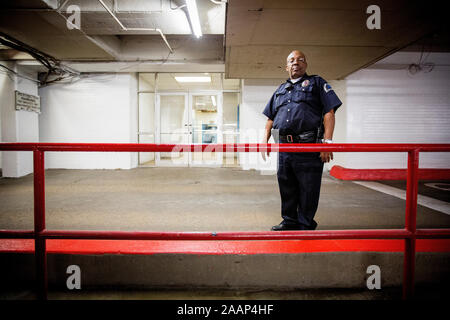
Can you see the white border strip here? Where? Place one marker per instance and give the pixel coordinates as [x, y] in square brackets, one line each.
[428, 202]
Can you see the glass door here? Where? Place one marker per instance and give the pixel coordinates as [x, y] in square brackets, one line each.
[206, 126]
[173, 127]
[194, 118]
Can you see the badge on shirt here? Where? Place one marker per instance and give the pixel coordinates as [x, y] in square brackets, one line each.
[326, 87]
[305, 83]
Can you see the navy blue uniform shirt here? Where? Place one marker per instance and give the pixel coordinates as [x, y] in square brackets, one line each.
[298, 107]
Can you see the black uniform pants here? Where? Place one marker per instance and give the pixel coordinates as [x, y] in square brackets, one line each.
[299, 179]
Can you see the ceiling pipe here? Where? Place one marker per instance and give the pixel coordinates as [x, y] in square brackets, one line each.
[135, 29]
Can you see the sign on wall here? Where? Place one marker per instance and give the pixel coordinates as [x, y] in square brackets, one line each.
[27, 102]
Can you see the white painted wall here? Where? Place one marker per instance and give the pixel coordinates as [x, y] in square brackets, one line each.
[386, 104]
[134, 116]
[6, 86]
[340, 128]
[255, 95]
[17, 126]
[381, 104]
[98, 109]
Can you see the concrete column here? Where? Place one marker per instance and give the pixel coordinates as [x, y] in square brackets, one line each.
[134, 118]
[340, 128]
[17, 126]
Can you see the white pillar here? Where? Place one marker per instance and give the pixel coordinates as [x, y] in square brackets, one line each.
[134, 117]
[256, 93]
[17, 126]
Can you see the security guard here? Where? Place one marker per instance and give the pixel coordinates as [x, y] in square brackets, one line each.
[300, 111]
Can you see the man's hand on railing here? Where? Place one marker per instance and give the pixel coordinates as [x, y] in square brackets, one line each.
[267, 134]
[265, 151]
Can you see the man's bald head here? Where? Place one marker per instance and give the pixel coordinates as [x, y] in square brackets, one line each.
[296, 64]
[295, 53]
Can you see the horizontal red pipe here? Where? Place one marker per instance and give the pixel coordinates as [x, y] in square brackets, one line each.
[255, 235]
[145, 247]
[284, 235]
[433, 233]
[386, 174]
[243, 147]
[16, 234]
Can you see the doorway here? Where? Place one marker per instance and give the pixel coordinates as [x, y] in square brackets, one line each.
[175, 112]
[189, 118]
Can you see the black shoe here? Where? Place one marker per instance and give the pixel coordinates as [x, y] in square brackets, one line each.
[285, 227]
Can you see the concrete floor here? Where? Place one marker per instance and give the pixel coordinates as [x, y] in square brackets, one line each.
[192, 199]
[439, 190]
[208, 294]
[390, 293]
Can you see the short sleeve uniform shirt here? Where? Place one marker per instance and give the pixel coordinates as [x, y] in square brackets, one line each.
[299, 107]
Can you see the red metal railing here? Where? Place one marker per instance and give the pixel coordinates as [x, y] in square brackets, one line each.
[410, 233]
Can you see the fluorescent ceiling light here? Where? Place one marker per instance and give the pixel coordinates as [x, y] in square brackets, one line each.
[213, 100]
[193, 79]
[193, 16]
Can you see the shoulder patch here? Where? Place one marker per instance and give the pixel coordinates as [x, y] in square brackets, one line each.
[327, 87]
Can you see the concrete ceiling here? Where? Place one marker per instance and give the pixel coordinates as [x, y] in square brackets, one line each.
[333, 34]
[43, 25]
[244, 38]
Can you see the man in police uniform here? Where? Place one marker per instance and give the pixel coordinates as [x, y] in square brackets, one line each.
[300, 111]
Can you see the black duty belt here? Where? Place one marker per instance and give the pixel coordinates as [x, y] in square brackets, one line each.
[304, 137]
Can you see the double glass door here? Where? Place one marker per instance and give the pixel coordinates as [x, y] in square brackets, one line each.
[189, 118]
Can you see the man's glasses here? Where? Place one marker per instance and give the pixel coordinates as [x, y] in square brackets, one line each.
[297, 60]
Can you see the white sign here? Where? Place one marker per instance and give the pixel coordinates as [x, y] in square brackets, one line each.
[27, 102]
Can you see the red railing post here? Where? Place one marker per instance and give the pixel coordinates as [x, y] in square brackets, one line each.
[410, 223]
[39, 224]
